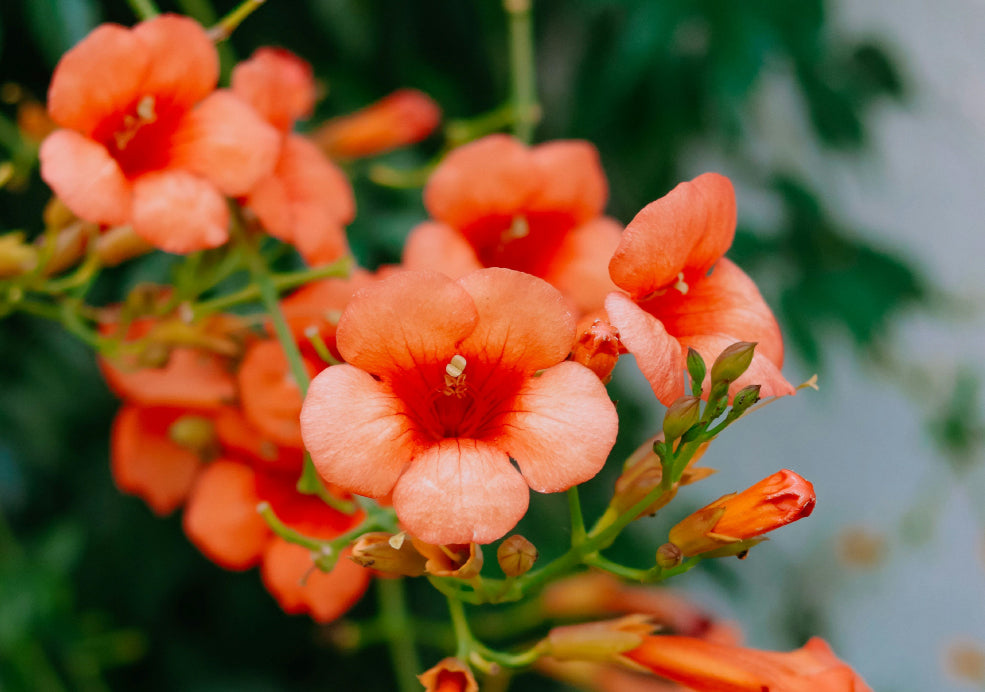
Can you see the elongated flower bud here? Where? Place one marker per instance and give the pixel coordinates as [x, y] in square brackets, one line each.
[723, 525]
[732, 362]
[599, 641]
[379, 551]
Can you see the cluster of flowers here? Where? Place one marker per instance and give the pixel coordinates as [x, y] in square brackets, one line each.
[489, 345]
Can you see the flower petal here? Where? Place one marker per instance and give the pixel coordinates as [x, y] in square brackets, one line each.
[226, 142]
[658, 354]
[687, 230]
[580, 268]
[146, 463]
[357, 432]
[407, 319]
[85, 177]
[277, 84]
[184, 64]
[460, 491]
[179, 212]
[81, 95]
[489, 177]
[439, 247]
[570, 180]
[523, 321]
[723, 302]
[561, 429]
[221, 518]
[288, 574]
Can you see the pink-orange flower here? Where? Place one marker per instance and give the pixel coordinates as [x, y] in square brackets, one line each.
[684, 293]
[404, 117]
[445, 381]
[708, 667]
[497, 203]
[147, 140]
[306, 200]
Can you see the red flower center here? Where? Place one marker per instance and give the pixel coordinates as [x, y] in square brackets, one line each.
[525, 242]
[140, 136]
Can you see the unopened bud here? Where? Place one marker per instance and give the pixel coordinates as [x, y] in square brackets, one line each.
[377, 550]
[119, 244]
[598, 641]
[745, 397]
[16, 256]
[697, 369]
[516, 555]
[669, 555]
[732, 362]
[597, 347]
[680, 416]
[196, 434]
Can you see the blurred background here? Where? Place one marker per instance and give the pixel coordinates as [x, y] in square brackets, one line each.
[855, 134]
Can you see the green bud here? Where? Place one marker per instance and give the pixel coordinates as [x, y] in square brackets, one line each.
[668, 556]
[732, 362]
[744, 398]
[696, 369]
[682, 414]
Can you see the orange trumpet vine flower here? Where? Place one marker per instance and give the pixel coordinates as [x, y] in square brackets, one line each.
[682, 292]
[444, 383]
[773, 502]
[497, 203]
[146, 139]
[708, 667]
[449, 675]
[306, 200]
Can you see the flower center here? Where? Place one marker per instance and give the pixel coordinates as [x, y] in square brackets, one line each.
[139, 138]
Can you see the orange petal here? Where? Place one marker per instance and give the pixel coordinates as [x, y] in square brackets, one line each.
[491, 176]
[145, 462]
[184, 64]
[292, 579]
[687, 230]
[221, 518]
[85, 177]
[81, 95]
[393, 325]
[658, 354]
[305, 201]
[239, 438]
[179, 212]
[357, 432]
[404, 117]
[523, 321]
[723, 302]
[570, 179]
[437, 247]
[278, 84]
[580, 269]
[226, 142]
[562, 428]
[269, 395]
[460, 491]
[307, 514]
[319, 305]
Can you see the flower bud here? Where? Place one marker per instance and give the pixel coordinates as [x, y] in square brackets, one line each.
[16, 256]
[680, 416]
[196, 434]
[598, 641]
[730, 521]
[449, 675]
[463, 561]
[732, 362]
[696, 369]
[377, 551]
[745, 397]
[668, 556]
[597, 347]
[516, 555]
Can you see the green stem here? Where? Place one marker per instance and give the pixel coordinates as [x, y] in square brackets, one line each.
[522, 70]
[288, 534]
[144, 9]
[399, 632]
[577, 520]
[227, 25]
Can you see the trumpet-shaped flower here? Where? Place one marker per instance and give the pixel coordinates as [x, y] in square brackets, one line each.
[708, 667]
[684, 293]
[146, 140]
[497, 203]
[444, 383]
[306, 200]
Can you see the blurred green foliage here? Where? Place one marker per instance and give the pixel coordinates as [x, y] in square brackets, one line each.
[96, 593]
